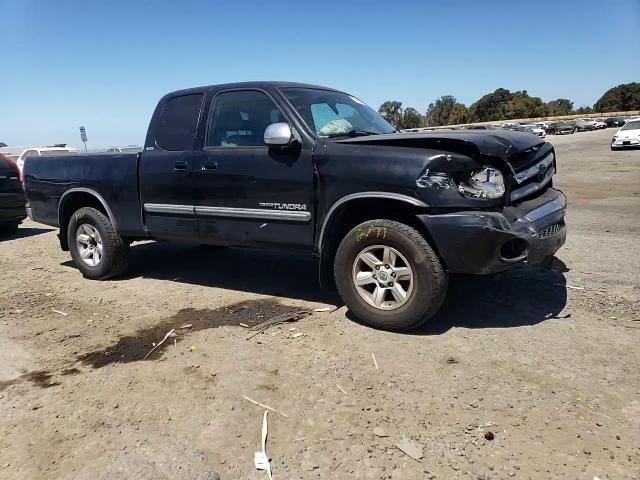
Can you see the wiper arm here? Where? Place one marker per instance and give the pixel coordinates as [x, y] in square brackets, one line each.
[352, 133]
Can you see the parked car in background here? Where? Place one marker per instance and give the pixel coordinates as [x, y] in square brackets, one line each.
[614, 122]
[12, 153]
[627, 137]
[127, 149]
[584, 124]
[541, 132]
[561, 128]
[599, 123]
[12, 199]
[544, 125]
[479, 127]
[48, 151]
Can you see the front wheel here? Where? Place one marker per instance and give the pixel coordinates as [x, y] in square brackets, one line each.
[97, 249]
[389, 276]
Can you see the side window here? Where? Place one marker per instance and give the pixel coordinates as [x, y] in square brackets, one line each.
[239, 119]
[178, 122]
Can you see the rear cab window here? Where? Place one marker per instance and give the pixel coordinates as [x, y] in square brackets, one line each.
[178, 122]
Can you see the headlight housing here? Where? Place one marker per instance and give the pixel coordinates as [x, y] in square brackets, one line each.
[485, 183]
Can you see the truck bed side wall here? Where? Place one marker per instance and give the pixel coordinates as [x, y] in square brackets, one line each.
[113, 177]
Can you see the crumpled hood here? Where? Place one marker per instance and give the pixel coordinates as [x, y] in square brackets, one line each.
[503, 144]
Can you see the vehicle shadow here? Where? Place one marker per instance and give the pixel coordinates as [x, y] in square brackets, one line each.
[23, 232]
[525, 295]
[522, 296]
[257, 271]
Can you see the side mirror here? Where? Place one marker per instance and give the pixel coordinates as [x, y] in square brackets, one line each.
[278, 134]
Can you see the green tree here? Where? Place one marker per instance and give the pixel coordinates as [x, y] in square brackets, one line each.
[411, 118]
[400, 118]
[490, 107]
[521, 105]
[583, 110]
[505, 105]
[2, 144]
[391, 110]
[622, 98]
[446, 110]
[560, 106]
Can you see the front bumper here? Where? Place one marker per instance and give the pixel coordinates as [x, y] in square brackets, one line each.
[625, 143]
[489, 242]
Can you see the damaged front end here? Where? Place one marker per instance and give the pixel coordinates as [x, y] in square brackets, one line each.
[489, 195]
[484, 242]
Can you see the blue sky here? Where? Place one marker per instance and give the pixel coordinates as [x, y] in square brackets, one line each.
[104, 64]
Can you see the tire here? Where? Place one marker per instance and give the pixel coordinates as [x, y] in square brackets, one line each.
[8, 228]
[114, 256]
[425, 292]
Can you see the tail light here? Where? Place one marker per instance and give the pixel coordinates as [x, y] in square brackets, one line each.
[15, 165]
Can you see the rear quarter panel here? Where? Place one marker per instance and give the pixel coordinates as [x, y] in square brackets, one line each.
[113, 176]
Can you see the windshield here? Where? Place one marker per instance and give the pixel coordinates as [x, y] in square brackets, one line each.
[334, 114]
[635, 125]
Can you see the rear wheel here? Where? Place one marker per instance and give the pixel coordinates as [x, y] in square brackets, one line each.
[389, 276]
[96, 248]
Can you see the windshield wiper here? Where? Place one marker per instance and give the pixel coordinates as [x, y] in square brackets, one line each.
[352, 133]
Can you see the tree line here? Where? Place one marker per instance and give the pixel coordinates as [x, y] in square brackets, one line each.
[505, 105]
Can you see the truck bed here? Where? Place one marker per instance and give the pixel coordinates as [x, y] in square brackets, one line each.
[113, 177]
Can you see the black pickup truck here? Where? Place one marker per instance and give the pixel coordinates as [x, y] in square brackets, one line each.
[310, 169]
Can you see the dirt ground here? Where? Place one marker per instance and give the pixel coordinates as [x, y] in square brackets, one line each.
[545, 361]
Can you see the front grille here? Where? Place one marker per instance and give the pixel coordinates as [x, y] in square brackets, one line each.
[533, 178]
[550, 231]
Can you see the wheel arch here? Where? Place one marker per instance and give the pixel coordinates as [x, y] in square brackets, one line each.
[357, 208]
[74, 199]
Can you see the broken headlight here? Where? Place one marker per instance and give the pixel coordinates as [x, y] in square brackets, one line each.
[485, 183]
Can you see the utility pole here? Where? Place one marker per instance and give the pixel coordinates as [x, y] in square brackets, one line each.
[83, 137]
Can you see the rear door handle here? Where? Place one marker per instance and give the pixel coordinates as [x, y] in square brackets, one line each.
[209, 165]
[180, 165]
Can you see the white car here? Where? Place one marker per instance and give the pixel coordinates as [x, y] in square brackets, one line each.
[126, 149]
[541, 132]
[41, 151]
[628, 136]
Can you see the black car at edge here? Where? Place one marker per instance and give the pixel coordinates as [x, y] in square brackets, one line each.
[12, 201]
[310, 169]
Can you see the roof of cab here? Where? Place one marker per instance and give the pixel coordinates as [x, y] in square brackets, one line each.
[260, 84]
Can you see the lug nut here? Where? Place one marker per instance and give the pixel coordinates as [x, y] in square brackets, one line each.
[393, 274]
[386, 266]
[391, 284]
[377, 267]
[374, 275]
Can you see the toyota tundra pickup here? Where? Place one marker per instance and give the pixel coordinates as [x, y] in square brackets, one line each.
[311, 169]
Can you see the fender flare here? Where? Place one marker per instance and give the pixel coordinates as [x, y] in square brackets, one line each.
[92, 193]
[356, 196]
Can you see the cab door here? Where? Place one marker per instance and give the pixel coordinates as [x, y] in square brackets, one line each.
[166, 169]
[246, 192]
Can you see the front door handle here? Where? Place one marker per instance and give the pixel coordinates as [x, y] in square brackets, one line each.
[209, 165]
[180, 165]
